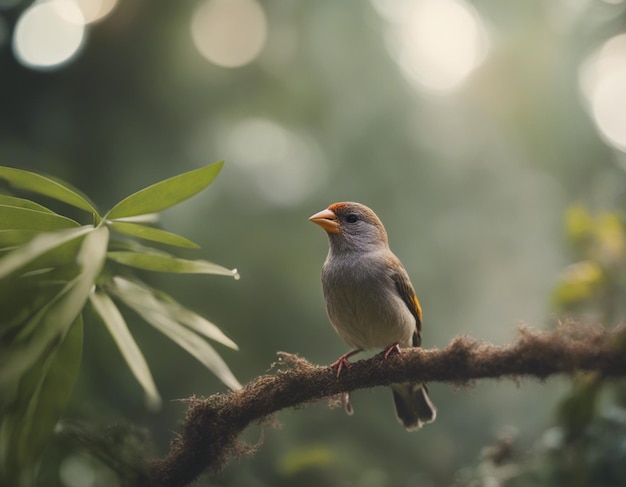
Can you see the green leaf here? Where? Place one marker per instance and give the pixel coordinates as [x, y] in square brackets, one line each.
[153, 234]
[578, 223]
[167, 193]
[15, 218]
[21, 298]
[51, 322]
[149, 308]
[12, 238]
[33, 339]
[147, 218]
[167, 263]
[5, 199]
[118, 328]
[192, 320]
[611, 237]
[47, 186]
[91, 258]
[44, 393]
[133, 246]
[579, 282]
[38, 246]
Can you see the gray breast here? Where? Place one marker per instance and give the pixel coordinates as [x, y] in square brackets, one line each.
[363, 305]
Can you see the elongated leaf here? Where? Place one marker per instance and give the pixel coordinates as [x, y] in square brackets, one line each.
[147, 218]
[167, 193]
[153, 234]
[21, 298]
[59, 262]
[22, 352]
[38, 246]
[192, 320]
[5, 199]
[133, 246]
[91, 258]
[15, 218]
[12, 238]
[54, 319]
[44, 393]
[47, 186]
[118, 328]
[146, 305]
[167, 263]
[194, 345]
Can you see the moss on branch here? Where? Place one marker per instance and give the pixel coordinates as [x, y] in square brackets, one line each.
[211, 426]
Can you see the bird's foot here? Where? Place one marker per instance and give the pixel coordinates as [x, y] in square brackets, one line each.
[389, 351]
[343, 361]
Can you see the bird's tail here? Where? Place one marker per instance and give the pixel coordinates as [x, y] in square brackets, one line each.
[413, 406]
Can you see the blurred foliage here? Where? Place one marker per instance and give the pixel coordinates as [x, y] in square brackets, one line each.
[592, 450]
[118, 450]
[555, 461]
[472, 186]
[596, 282]
[586, 445]
[51, 268]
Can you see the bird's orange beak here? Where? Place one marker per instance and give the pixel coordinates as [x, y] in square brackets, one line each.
[327, 220]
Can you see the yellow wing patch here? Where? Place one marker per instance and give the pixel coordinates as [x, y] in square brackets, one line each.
[418, 308]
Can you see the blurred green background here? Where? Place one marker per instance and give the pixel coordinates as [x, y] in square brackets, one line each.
[469, 127]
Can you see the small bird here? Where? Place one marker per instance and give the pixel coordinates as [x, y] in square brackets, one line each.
[370, 300]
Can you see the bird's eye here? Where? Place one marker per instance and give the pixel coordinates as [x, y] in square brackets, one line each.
[352, 218]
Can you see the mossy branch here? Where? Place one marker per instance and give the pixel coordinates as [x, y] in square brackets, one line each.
[211, 426]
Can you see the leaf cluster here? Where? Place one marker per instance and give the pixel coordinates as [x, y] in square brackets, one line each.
[595, 281]
[52, 267]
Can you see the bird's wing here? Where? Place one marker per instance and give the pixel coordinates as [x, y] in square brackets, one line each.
[407, 293]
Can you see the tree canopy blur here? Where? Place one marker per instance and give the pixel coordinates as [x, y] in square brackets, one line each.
[470, 127]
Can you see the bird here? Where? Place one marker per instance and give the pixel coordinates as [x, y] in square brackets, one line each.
[370, 300]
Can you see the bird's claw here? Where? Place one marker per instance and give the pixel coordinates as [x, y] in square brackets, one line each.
[340, 363]
[343, 361]
[389, 351]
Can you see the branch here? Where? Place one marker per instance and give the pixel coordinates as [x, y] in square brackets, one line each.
[212, 425]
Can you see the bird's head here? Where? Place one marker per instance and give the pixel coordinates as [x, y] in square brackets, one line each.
[351, 227]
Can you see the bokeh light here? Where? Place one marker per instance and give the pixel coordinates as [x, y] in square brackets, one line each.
[49, 34]
[78, 470]
[95, 10]
[280, 166]
[75, 472]
[458, 121]
[436, 43]
[603, 82]
[229, 33]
